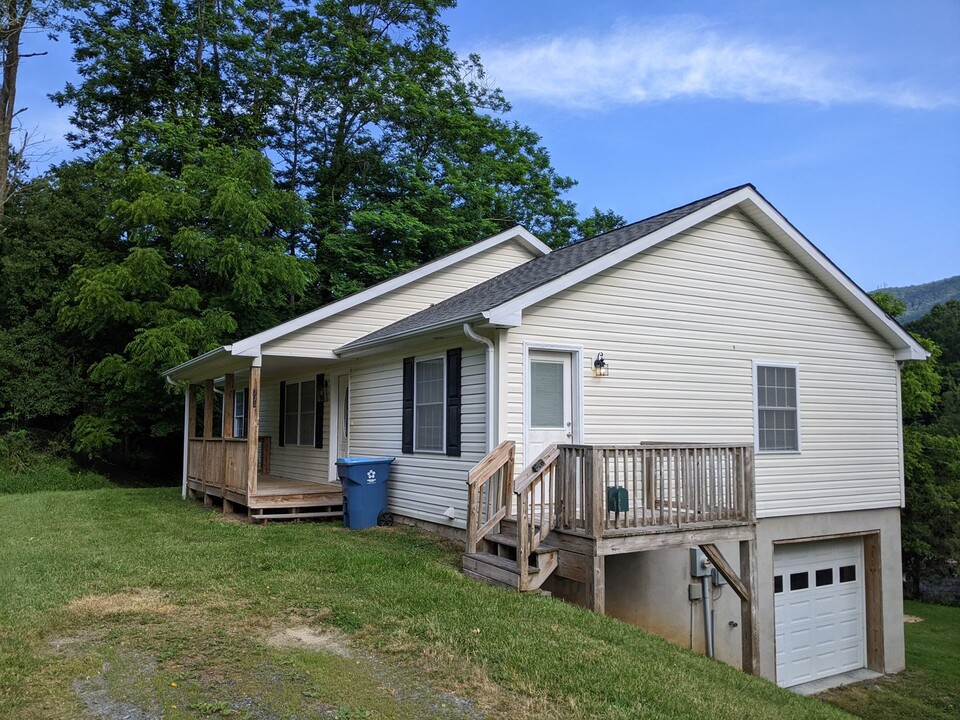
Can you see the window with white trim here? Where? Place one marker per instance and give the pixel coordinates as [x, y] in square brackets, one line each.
[299, 413]
[778, 413]
[429, 404]
[239, 414]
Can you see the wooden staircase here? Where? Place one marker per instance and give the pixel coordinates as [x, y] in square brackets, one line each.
[502, 548]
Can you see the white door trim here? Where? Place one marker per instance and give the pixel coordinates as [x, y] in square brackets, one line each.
[576, 388]
[334, 429]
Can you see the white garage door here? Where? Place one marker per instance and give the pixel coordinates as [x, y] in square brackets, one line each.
[819, 606]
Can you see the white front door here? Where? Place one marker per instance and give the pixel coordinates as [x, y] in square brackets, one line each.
[549, 415]
[818, 609]
[343, 416]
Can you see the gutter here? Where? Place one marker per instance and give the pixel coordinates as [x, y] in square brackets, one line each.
[490, 417]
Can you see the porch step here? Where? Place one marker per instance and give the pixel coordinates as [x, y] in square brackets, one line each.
[262, 516]
[506, 573]
[511, 541]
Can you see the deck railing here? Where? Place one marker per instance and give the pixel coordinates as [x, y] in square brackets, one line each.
[604, 490]
[489, 493]
[219, 462]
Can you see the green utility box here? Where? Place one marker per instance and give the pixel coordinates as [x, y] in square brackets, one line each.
[618, 500]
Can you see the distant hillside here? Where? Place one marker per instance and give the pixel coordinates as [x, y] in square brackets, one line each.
[920, 298]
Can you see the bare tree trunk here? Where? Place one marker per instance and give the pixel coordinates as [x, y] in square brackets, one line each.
[15, 18]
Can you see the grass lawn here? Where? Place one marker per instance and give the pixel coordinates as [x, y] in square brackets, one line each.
[129, 603]
[929, 689]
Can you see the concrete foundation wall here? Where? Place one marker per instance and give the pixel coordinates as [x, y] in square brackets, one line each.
[649, 590]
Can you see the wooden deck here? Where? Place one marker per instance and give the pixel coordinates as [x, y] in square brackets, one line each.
[275, 498]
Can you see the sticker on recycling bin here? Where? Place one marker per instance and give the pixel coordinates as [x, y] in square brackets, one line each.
[371, 476]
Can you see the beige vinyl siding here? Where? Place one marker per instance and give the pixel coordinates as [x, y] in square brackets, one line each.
[422, 485]
[323, 337]
[297, 462]
[680, 327]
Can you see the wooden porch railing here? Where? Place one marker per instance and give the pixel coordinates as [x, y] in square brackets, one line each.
[536, 492]
[489, 493]
[603, 491]
[608, 490]
[219, 462]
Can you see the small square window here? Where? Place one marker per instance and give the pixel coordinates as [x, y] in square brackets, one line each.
[777, 584]
[848, 573]
[799, 581]
[824, 577]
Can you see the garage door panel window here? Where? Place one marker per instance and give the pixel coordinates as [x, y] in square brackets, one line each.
[848, 573]
[799, 581]
[824, 577]
[777, 584]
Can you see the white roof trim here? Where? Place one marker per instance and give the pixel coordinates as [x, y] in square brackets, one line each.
[778, 227]
[251, 345]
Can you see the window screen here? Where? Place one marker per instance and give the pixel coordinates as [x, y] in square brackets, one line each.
[546, 394]
[428, 404]
[299, 415]
[777, 409]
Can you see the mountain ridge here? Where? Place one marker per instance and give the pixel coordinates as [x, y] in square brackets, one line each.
[919, 299]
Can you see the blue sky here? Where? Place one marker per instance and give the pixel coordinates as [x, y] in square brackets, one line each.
[845, 115]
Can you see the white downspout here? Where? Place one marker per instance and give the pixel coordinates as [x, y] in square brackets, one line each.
[490, 413]
[186, 436]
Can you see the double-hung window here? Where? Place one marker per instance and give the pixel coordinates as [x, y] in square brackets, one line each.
[778, 410]
[299, 413]
[429, 406]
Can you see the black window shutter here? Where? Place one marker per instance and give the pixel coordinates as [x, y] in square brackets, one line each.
[246, 412]
[321, 395]
[453, 402]
[408, 370]
[283, 411]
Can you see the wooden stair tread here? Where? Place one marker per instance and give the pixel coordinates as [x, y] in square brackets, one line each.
[500, 562]
[511, 541]
[296, 516]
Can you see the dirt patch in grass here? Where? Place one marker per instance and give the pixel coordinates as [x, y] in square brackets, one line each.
[910, 619]
[301, 636]
[137, 601]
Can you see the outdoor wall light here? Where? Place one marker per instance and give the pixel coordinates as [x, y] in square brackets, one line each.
[600, 367]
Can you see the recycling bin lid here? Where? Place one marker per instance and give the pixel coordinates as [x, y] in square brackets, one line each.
[363, 460]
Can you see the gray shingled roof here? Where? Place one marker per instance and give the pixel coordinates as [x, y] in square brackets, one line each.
[470, 304]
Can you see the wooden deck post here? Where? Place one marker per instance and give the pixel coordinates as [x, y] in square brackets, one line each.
[192, 421]
[253, 427]
[207, 409]
[228, 405]
[749, 609]
[596, 584]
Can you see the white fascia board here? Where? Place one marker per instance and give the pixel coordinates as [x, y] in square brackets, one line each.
[518, 233]
[351, 350]
[512, 307]
[820, 266]
[198, 360]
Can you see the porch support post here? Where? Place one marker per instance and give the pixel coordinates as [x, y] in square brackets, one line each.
[228, 405]
[207, 409]
[253, 427]
[192, 421]
[187, 397]
[749, 608]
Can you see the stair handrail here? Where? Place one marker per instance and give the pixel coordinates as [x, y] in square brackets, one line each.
[495, 475]
[530, 533]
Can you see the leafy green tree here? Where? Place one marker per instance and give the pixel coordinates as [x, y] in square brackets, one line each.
[198, 260]
[931, 518]
[599, 222]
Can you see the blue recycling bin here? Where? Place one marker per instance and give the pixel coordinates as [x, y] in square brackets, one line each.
[364, 481]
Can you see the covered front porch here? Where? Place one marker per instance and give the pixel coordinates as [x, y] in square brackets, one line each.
[232, 459]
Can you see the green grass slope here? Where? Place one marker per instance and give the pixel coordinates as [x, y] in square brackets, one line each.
[132, 598]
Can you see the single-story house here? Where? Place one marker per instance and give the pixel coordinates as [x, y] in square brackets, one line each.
[691, 423]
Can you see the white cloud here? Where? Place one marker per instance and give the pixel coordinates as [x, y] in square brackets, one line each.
[682, 58]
